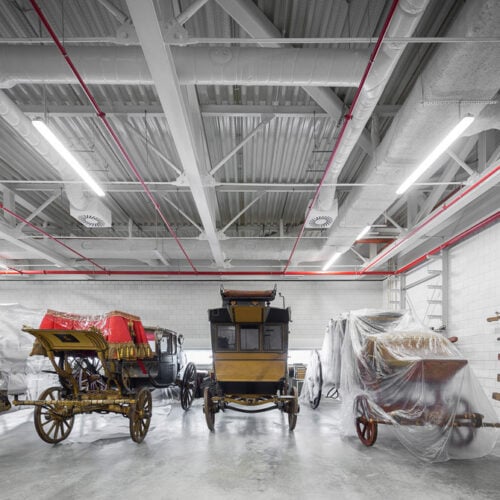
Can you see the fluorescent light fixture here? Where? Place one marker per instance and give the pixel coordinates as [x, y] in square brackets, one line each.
[452, 136]
[68, 157]
[362, 233]
[333, 258]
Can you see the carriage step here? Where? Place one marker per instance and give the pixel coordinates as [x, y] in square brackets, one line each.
[496, 395]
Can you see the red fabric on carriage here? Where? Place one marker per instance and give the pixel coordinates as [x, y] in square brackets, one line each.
[124, 332]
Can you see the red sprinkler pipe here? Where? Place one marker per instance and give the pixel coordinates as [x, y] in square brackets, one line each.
[345, 123]
[100, 113]
[59, 272]
[19, 218]
[437, 213]
[453, 241]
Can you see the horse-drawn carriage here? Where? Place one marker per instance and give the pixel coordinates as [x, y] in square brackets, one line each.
[250, 350]
[401, 374]
[105, 364]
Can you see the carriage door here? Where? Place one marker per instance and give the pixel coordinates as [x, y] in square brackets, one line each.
[167, 358]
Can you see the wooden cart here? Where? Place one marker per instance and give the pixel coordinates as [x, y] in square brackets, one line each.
[250, 350]
[97, 376]
[429, 374]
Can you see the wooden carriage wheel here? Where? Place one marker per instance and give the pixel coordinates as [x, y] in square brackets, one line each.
[188, 386]
[365, 427]
[462, 435]
[293, 409]
[140, 415]
[208, 409]
[87, 371]
[53, 423]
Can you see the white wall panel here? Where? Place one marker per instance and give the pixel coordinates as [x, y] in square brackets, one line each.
[473, 290]
[474, 286]
[182, 306]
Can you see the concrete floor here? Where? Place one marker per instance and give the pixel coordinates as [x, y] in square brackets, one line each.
[248, 456]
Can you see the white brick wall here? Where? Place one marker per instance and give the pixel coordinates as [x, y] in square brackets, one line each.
[474, 285]
[182, 305]
[473, 295]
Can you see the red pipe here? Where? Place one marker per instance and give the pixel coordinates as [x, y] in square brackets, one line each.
[437, 213]
[453, 241]
[198, 273]
[19, 218]
[345, 123]
[100, 113]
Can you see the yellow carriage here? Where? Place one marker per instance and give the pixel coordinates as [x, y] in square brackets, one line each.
[250, 350]
[105, 364]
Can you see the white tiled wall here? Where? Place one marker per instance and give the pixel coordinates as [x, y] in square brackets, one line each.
[182, 306]
[474, 285]
[473, 295]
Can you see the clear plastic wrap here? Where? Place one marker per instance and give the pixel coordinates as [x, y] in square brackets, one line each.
[19, 374]
[395, 371]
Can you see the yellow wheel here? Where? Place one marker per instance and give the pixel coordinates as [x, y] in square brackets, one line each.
[140, 415]
[208, 409]
[53, 422]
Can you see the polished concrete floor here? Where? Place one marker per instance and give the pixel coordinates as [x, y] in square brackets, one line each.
[246, 457]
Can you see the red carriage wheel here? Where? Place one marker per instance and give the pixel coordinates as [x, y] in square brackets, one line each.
[365, 427]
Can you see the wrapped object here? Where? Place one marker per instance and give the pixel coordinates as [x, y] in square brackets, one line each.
[15, 347]
[395, 371]
[124, 332]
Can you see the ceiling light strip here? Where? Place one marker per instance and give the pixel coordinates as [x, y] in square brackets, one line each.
[446, 206]
[28, 223]
[347, 118]
[100, 113]
[68, 157]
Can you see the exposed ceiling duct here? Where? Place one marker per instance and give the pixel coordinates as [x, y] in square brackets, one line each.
[194, 65]
[404, 22]
[447, 90]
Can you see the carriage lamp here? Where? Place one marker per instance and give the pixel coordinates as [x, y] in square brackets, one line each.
[56, 143]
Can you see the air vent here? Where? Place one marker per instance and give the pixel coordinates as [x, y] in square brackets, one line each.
[94, 215]
[322, 219]
[91, 220]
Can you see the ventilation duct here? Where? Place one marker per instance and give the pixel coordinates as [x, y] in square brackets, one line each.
[322, 219]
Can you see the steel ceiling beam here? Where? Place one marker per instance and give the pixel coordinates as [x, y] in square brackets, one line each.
[257, 25]
[161, 65]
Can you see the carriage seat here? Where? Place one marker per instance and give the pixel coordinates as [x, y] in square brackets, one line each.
[396, 349]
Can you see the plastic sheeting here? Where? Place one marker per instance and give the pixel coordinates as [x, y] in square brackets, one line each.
[397, 372]
[322, 378]
[19, 374]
